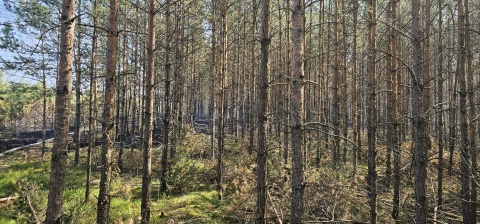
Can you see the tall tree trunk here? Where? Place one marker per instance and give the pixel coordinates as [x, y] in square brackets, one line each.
[297, 109]
[440, 130]
[179, 78]
[319, 78]
[62, 109]
[344, 83]
[355, 95]
[464, 144]
[148, 118]
[419, 122]
[44, 109]
[122, 95]
[108, 125]
[252, 80]
[166, 116]
[288, 95]
[472, 114]
[335, 86]
[372, 113]
[92, 101]
[394, 135]
[78, 87]
[263, 97]
[222, 97]
[213, 78]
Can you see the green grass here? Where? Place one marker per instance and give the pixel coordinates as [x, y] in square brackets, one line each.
[197, 204]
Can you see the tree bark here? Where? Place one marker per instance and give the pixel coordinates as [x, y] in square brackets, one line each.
[372, 113]
[464, 144]
[108, 125]
[472, 114]
[62, 109]
[419, 134]
[440, 130]
[222, 97]
[92, 101]
[166, 117]
[148, 118]
[263, 97]
[78, 86]
[297, 109]
[335, 86]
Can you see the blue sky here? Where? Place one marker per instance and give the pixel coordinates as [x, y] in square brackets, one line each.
[7, 17]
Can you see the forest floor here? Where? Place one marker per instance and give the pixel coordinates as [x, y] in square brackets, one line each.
[331, 196]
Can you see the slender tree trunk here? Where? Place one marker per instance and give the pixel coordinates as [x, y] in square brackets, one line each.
[440, 130]
[62, 109]
[252, 80]
[394, 77]
[78, 87]
[372, 113]
[344, 83]
[222, 98]
[263, 97]
[335, 86]
[464, 144]
[472, 114]
[123, 95]
[287, 98]
[297, 109]
[92, 101]
[419, 122]
[355, 95]
[166, 118]
[108, 125]
[44, 109]
[213, 78]
[148, 118]
[319, 78]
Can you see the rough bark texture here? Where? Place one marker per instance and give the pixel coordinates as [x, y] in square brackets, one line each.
[372, 113]
[393, 99]
[297, 109]
[263, 97]
[92, 101]
[166, 116]
[335, 86]
[108, 125]
[440, 129]
[355, 95]
[78, 86]
[419, 122]
[213, 77]
[464, 144]
[222, 97]
[148, 121]
[472, 114]
[62, 109]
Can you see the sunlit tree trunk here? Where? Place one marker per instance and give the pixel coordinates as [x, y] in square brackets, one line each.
[297, 8]
[464, 144]
[148, 118]
[419, 121]
[62, 111]
[108, 125]
[78, 86]
[166, 116]
[371, 112]
[263, 97]
[222, 97]
[472, 114]
[92, 101]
